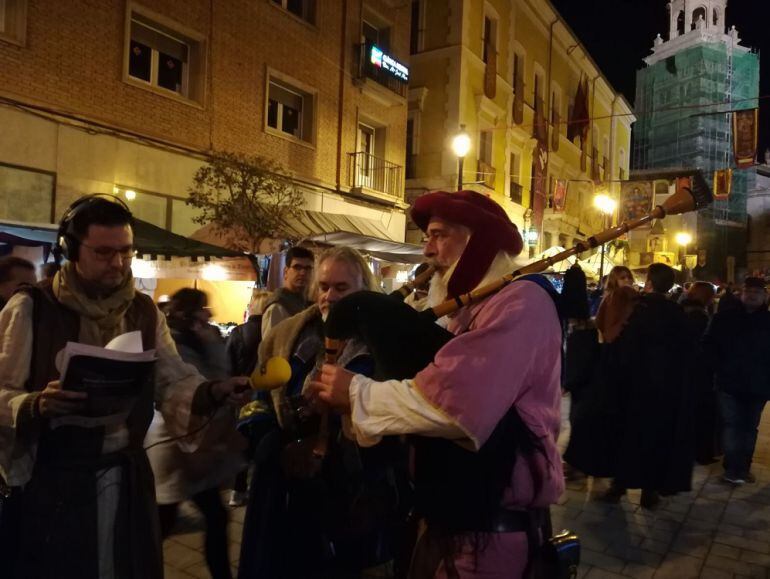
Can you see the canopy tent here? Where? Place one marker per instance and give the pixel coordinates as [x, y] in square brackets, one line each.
[306, 226]
[149, 239]
[561, 266]
[592, 265]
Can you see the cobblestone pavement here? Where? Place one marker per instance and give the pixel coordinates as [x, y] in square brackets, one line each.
[714, 532]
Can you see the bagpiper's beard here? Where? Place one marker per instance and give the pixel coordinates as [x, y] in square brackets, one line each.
[439, 286]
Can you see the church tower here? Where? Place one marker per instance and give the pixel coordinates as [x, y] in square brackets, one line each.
[688, 15]
[692, 81]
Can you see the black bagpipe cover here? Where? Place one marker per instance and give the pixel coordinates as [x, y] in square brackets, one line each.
[402, 340]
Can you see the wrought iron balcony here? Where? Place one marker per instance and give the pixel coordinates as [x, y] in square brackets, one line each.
[366, 171]
[486, 174]
[382, 73]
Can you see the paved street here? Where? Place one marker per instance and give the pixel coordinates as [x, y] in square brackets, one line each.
[714, 532]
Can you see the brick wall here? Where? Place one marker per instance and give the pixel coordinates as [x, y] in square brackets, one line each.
[74, 57]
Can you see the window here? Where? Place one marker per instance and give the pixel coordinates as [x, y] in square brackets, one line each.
[147, 207]
[290, 110]
[485, 147]
[165, 59]
[416, 34]
[376, 35]
[490, 38]
[182, 218]
[696, 16]
[410, 149]
[516, 192]
[518, 73]
[13, 20]
[28, 194]
[304, 9]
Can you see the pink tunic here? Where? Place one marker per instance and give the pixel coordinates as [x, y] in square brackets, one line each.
[510, 355]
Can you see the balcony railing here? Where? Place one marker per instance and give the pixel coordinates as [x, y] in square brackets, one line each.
[370, 172]
[486, 174]
[366, 69]
[517, 192]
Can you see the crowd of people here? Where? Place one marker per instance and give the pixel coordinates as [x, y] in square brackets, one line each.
[345, 471]
[661, 379]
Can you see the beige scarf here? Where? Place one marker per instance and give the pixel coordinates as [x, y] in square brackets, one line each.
[100, 318]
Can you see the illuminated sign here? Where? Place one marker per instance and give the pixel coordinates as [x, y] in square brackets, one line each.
[389, 64]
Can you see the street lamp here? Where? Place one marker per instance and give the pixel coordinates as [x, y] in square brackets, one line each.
[606, 205]
[461, 144]
[684, 239]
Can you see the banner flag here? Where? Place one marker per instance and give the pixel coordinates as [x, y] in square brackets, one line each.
[723, 184]
[745, 126]
[635, 199]
[559, 195]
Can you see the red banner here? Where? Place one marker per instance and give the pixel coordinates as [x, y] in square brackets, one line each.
[745, 124]
[539, 170]
[723, 184]
[559, 195]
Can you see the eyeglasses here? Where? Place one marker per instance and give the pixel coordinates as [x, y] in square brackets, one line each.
[109, 253]
[298, 267]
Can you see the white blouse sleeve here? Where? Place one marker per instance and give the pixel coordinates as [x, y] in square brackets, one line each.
[395, 407]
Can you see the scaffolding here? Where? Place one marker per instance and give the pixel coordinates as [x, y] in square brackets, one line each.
[684, 122]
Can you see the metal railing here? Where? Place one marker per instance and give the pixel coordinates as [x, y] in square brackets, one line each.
[368, 70]
[517, 192]
[370, 172]
[486, 174]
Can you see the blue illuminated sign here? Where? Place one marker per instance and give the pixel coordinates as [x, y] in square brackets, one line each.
[389, 64]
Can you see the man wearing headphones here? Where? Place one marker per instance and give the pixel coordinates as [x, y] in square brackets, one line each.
[85, 490]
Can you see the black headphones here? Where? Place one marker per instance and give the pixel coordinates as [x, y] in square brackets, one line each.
[67, 244]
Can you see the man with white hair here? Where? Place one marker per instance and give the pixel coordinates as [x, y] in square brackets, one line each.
[486, 410]
[310, 517]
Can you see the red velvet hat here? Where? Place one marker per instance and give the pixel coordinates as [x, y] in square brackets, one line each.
[491, 232]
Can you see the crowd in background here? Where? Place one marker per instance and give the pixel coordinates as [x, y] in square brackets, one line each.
[662, 378]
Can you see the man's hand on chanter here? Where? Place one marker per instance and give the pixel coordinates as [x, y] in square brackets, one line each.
[53, 401]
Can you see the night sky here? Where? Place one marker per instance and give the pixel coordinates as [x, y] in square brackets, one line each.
[619, 33]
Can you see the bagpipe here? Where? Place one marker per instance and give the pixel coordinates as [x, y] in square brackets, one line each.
[404, 341]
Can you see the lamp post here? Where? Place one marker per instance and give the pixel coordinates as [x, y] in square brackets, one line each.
[684, 239]
[606, 205]
[461, 144]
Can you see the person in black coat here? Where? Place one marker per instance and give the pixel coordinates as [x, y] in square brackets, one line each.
[738, 344]
[697, 304]
[243, 342]
[637, 426]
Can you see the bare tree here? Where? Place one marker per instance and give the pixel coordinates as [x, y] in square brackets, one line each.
[247, 194]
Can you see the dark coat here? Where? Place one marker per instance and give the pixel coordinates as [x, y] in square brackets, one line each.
[242, 346]
[707, 424]
[636, 423]
[738, 345]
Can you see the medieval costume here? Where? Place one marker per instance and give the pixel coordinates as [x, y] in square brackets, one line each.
[636, 424]
[88, 497]
[306, 520]
[486, 410]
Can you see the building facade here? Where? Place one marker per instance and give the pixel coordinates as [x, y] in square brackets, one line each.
[129, 96]
[684, 99]
[758, 208]
[509, 71]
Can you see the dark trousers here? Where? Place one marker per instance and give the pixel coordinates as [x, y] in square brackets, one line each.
[10, 531]
[740, 417]
[209, 503]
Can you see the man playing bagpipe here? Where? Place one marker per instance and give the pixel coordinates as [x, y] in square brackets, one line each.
[486, 410]
[312, 514]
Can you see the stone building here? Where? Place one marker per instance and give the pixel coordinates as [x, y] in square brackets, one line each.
[509, 72]
[129, 96]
